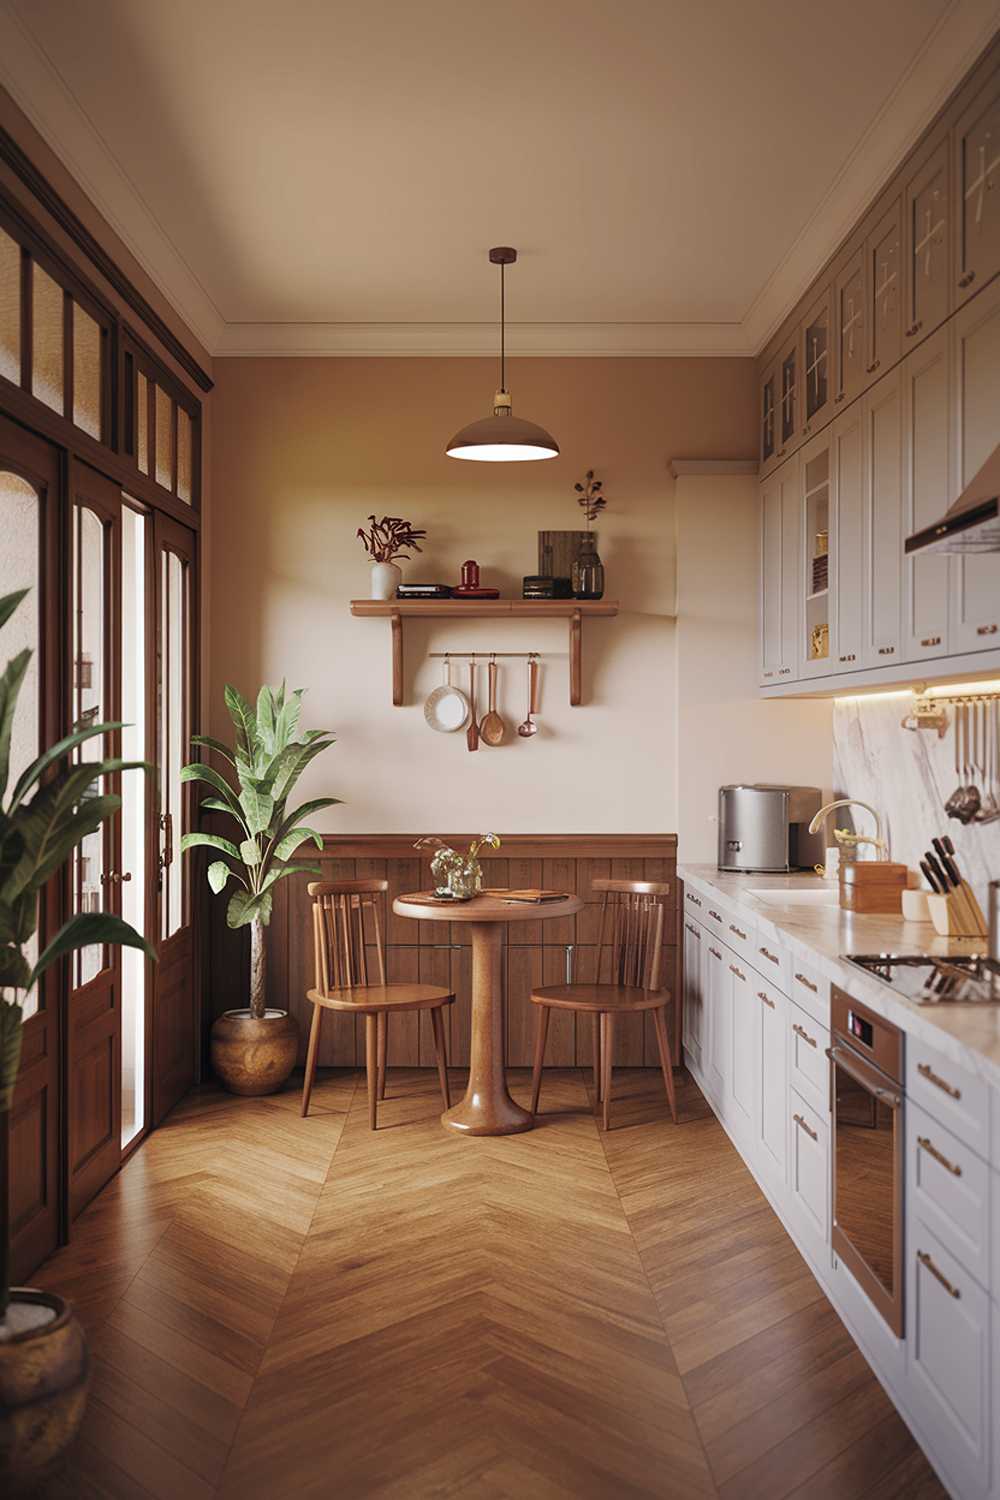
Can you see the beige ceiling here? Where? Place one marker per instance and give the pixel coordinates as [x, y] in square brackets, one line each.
[310, 162]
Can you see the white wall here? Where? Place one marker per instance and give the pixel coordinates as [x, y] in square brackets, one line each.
[725, 733]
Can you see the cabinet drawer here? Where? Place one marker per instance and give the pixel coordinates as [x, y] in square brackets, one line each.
[809, 1174]
[810, 989]
[773, 961]
[949, 1189]
[948, 1328]
[739, 933]
[950, 1094]
[808, 1067]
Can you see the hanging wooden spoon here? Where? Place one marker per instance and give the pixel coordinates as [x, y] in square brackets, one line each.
[492, 727]
[472, 733]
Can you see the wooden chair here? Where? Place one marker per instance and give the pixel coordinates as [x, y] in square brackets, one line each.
[345, 942]
[631, 933]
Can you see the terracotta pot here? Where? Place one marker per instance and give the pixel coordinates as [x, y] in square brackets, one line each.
[254, 1057]
[44, 1374]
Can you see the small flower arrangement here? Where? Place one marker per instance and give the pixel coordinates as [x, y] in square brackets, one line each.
[458, 875]
[390, 538]
[589, 497]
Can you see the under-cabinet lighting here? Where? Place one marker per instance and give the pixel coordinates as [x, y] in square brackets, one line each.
[962, 689]
[873, 697]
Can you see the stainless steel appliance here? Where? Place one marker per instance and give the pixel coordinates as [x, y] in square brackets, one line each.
[765, 828]
[866, 1093]
[972, 523]
[928, 980]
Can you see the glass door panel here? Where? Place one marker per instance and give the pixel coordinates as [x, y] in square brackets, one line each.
[134, 816]
[174, 733]
[90, 662]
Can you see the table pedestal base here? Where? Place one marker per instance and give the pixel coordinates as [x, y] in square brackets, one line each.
[487, 1108]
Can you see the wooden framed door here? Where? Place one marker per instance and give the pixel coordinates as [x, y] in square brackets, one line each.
[31, 519]
[93, 1024]
[175, 989]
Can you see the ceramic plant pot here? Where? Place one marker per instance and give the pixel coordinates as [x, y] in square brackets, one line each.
[44, 1373]
[254, 1057]
[386, 578]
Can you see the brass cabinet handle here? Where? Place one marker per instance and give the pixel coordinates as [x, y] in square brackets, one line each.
[986, 630]
[738, 972]
[717, 915]
[693, 899]
[714, 952]
[772, 956]
[926, 1071]
[801, 1031]
[803, 1126]
[925, 1260]
[766, 999]
[808, 983]
[887, 651]
[785, 672]
[967, 279]
[738, 931]
[114, 877]
[692, 930]
[874, 366]
[850, 657]
[925, 1145]
[768, 674]
[914, 328]
[932, 640]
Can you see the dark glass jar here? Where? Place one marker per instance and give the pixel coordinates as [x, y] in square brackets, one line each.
[588, 571]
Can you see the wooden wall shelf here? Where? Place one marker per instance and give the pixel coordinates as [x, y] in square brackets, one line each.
[573, 610]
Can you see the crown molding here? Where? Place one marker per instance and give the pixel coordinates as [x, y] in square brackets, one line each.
[465, 340]
[39, 91]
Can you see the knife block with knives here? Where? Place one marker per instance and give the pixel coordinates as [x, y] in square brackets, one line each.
[953, 907]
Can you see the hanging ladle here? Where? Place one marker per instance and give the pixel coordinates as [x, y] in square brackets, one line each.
[529, 727]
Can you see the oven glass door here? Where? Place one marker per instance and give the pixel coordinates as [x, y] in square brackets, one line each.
[867, 1180]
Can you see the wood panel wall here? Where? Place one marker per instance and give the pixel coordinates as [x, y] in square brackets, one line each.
[535, 952]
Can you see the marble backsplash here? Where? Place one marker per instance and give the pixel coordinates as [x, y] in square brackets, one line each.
[908, 775]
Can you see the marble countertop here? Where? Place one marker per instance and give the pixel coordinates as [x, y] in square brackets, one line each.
[968, 1034]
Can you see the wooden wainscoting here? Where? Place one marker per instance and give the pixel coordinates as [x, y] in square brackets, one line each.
[535, 953]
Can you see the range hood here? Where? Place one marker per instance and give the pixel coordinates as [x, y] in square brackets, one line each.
[972, 524]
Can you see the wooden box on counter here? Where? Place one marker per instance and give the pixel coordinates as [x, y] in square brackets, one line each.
[872, 886]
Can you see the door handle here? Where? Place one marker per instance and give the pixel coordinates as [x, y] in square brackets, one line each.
[167, 852]
[838, 1057]
[925, 1260]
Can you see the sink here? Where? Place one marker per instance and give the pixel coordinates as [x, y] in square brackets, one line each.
[813, 897]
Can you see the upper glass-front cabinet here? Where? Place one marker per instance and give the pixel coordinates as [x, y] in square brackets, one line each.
[788, 415]
[884, 273]
[977, 176]
[852, 334]
[928, 278]
[768, 415]
[817, 355]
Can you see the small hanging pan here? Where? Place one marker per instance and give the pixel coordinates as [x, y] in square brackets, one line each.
[447, 707]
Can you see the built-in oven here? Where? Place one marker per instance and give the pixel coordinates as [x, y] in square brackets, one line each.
[866, 1101]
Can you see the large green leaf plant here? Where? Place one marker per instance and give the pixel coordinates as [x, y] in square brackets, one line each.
[268, 758]
[54, 804]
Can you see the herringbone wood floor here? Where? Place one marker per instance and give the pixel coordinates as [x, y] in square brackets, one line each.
[281, 1307]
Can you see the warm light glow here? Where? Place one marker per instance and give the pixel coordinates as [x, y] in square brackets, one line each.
[503, 452]
[962, 689]
[873, 697]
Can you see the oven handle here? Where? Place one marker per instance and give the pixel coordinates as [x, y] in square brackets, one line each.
[855, 1068]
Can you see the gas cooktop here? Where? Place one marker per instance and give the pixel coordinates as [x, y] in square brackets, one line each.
[928, 981]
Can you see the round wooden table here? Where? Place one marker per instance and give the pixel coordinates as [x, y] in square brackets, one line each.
[487, 1108]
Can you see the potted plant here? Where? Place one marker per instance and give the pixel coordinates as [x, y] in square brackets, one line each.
[54, 803]
[254, 1049]
[384, 541]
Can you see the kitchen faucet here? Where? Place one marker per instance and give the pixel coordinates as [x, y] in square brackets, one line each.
[878, 841]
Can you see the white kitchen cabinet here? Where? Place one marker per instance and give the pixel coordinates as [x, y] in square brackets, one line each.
[928, 246]
[780, 574]
[882, 561]
[808, 1068]
[884, 274]
[848, 576]
[717, 1038]
[948, 1361]
[808, 1197]
[948, 1188]
[975, 592]
[927, 492]
[850, 308]
[694, 1003]
[977, 195]
[770, 1129]
[767, 413]
[745, 1025]
[818, 550]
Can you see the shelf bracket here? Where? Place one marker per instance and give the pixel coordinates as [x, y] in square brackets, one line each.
[575, 673]
[397, 659]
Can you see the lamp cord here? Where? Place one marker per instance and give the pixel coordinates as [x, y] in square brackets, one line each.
[503, 321]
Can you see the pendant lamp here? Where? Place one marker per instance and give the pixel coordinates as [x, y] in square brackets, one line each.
[503, 438]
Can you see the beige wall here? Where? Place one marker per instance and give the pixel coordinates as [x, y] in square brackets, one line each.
[726, 733]
[304, 449]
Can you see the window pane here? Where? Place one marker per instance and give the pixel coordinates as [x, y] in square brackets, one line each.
[183, 455]
[133, 644]
[164, 440]
[19, 555]
[142, 422]
[89, 707]
[173, 729]
[86, 372]
[46, 339]
[10, 308]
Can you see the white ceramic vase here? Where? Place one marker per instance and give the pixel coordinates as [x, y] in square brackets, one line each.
[385, 579]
